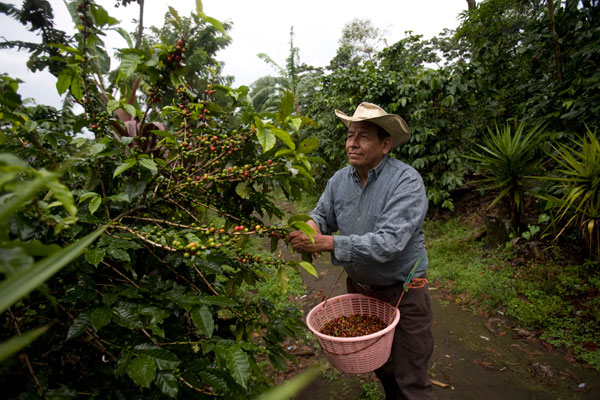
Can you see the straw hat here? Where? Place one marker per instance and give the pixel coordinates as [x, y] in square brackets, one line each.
[391, 123]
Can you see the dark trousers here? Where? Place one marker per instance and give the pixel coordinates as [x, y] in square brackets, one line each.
[404, 375]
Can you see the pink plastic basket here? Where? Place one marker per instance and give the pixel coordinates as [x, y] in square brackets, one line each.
[355, 354]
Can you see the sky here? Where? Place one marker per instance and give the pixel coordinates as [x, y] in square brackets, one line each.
[259, 26]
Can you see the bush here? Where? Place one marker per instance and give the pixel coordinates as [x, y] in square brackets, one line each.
[162, 304]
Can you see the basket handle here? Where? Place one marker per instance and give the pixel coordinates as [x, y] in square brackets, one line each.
[355, 351]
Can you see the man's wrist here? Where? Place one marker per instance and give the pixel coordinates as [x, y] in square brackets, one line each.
[314, 225]
[325, 243]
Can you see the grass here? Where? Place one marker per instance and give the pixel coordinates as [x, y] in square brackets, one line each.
[549, 295]
[465, 267]
[371, 391]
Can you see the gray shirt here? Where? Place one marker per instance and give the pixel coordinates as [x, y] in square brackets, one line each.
[380, 225]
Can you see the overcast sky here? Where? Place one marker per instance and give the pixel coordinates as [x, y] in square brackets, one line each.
[259, 26]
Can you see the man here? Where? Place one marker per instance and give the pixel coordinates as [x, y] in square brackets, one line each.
[378, 205]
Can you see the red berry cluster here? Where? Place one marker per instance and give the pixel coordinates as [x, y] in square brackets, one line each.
[173, 59]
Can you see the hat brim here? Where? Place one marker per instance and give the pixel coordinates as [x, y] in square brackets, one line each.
[391, 123]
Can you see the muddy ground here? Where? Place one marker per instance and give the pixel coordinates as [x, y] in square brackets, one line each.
[474, 357]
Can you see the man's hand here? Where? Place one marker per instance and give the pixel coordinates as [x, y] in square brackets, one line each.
[302, 244]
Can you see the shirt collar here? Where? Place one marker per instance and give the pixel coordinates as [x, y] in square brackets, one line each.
[374, 172]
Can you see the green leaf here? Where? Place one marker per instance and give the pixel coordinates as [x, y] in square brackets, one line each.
[304, 227]
[283, 152]
[243, 190]
[112, 105]
[283, 279]
[16, 343]
[308, 267]
[87, 195]
[213, 380]
[238, 365]
[121, 365]
[164, 359]
[274, 243]
[142, 370]
[203, 320]
[64, 80]
[100, 317]
[22, 283]
[97, 148]
[216, 23]
[13, 260]
[129, 63]
[265, 138]
[168, 384]
[286, 107]
[292, 387]
[118, 254]
[284, 137]
[308, 145]
[95, 256]
[62, 194]
[94, 204]
[175, 14]
[148, 164]
[79, 325]
[100, 15]
[296, 123]
[192, 238]
[126, 317]
[130, 109]
[124, 166]
[77, 87]
[121, 197]
[156, 314]
[298, 217]
[157, 330]
[33, 248]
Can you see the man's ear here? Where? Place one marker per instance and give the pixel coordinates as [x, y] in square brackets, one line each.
[387, 145]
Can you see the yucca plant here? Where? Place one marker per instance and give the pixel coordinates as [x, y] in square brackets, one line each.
[578, 181]
[507, 159]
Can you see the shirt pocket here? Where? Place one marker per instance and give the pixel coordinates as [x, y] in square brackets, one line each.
[346, 215]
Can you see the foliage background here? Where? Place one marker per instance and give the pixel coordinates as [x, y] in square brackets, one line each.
[181, 169]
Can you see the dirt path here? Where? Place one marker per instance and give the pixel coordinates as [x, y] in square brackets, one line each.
[474, 357]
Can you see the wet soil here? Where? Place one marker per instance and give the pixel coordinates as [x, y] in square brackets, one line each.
[474, 357]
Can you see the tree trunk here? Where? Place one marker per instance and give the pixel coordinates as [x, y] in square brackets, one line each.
[138, 41]
[555, 43]
[471, 4]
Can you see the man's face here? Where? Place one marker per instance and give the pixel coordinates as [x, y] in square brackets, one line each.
[363, 146]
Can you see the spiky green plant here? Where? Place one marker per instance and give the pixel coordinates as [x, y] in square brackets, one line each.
[507, 159]
[578, 182]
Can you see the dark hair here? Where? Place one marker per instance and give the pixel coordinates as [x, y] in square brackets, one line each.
[382, 133]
